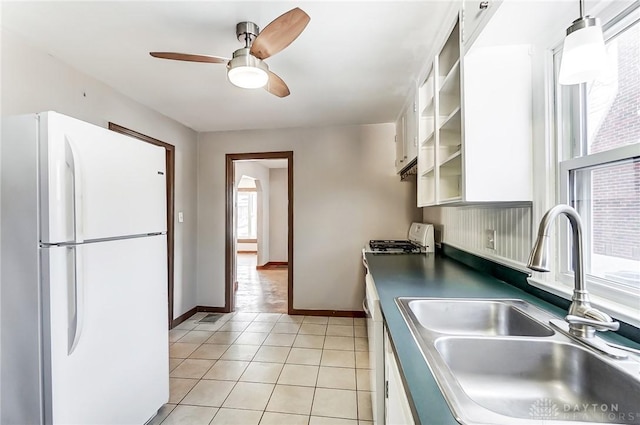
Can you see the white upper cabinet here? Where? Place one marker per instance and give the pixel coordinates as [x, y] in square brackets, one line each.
[475, 124]
[475, 15]
[407, 134]
[497, 117]
[400, 144]
[427, 141]
[440, 140]
[411, 128]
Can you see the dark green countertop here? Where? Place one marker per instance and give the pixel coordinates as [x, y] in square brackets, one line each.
[431, 276]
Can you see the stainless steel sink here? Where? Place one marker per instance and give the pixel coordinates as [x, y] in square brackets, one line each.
[476, 317]
[497, 362]
[529, 379]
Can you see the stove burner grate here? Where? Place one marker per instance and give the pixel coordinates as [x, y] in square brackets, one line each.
[394, 246]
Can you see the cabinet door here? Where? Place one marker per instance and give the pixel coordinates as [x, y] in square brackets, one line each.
[475, 15]
[497, 124]
[411, 131]
[397, 409]
[400, 155]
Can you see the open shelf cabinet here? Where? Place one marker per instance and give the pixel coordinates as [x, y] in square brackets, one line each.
[427, 136]
[440, 153]
[475, 130]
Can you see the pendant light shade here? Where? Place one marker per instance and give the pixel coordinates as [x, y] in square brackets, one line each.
[583, 55]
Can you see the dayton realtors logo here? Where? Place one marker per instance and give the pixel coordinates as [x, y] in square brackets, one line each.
[544, 409]
[547, 409]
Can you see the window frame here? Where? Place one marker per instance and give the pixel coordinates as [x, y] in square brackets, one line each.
[572, 156]
[250, 191]
[596, 285]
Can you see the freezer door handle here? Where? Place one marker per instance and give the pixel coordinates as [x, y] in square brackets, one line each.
[75, 297]
[76, 182]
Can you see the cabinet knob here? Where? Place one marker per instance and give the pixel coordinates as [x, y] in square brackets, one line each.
[483, 5]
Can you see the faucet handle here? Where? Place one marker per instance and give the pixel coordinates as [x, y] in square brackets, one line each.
[596, 324]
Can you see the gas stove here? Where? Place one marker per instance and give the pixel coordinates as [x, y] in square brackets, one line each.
[394, 246]
[420, 241]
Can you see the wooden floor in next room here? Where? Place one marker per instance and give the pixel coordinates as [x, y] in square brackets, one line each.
[260, 290]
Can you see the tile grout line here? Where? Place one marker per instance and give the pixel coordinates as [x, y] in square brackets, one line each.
[261, 345]
[276, 383]
[238, 380]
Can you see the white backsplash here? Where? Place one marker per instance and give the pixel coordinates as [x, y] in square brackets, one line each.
[464, 228]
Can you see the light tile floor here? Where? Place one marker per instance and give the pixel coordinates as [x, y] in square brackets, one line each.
[268, 368]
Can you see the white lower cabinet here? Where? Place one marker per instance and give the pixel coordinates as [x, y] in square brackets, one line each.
[397, 408]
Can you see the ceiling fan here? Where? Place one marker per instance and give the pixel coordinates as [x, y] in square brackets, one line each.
[247, 68]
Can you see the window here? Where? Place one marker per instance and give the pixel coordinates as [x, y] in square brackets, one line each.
[247, 214]
[599, 169]
[247, 209]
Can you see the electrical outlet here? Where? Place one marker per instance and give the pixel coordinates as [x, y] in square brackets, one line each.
[490, 239]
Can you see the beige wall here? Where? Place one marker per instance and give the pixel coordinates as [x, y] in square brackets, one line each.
[345, 193]
[34, 81]
[278, 214]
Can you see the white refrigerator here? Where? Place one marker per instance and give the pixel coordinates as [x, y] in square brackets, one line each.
[83, 298]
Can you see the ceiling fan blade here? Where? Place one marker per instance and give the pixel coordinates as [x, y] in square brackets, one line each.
[189, 57]
[279, 33]
[276, 86]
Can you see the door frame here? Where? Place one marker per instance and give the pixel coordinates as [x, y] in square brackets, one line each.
[230, 231]
[170, 160]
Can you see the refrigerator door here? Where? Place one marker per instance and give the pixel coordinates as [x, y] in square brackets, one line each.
[98, 184]
[106, 343]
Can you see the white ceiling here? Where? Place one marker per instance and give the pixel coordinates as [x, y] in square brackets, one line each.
[353, 64]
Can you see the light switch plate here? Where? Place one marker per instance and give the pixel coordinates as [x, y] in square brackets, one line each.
[490, 239]
[180, 217]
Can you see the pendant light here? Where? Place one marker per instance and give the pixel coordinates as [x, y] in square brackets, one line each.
[583, 55]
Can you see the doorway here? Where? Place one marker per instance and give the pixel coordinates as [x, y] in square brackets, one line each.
[170, 161]
[259, 232]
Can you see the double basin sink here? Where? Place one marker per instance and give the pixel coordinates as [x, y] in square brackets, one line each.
[497, 362]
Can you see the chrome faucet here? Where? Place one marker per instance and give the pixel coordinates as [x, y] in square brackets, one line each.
[583, 319]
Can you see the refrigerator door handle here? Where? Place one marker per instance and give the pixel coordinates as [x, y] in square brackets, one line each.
[365, 308]
[76, 182]
[76, 299]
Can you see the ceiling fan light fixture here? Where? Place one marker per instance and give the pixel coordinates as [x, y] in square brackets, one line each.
[246, 71]
[248, 77]
[583, 54]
